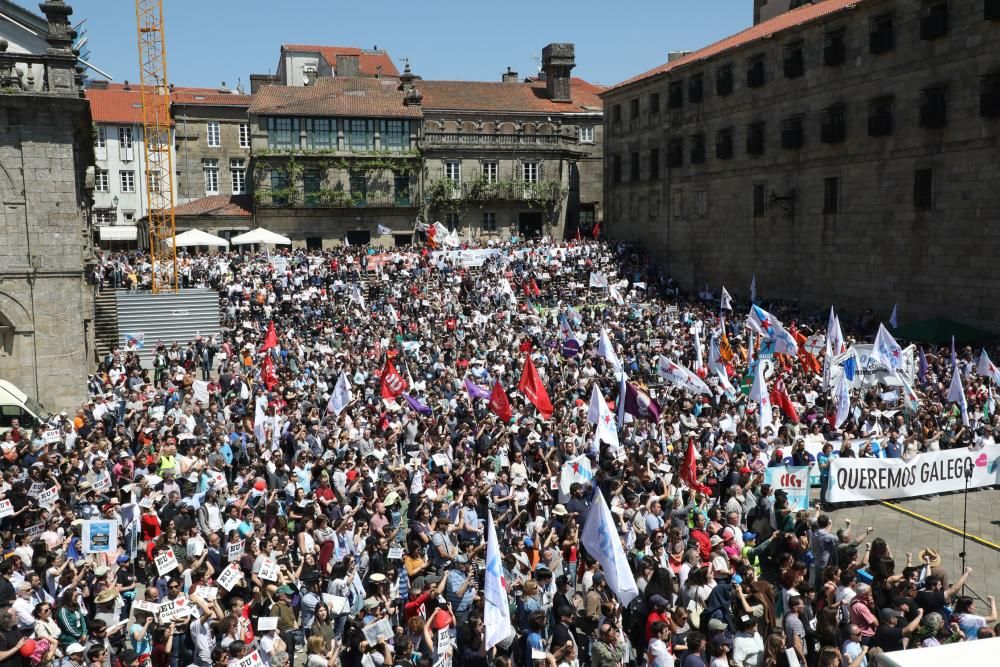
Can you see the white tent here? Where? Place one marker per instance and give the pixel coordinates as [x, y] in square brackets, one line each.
[976, 653]
[196, 237]
[261, 235]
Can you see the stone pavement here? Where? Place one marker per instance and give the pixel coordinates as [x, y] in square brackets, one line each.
[905, 533]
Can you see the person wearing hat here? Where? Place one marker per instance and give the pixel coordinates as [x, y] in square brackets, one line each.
[288, 625]
[891, 631]
[75, 654]
[748, 645]
[460, 588]
[659, 613]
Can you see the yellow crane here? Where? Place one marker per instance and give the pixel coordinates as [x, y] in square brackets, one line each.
[159, 174]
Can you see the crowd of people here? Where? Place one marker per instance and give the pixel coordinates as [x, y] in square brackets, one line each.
[316, 483]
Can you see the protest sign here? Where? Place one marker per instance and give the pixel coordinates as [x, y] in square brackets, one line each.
[102, 483]
[235, 550]
[51, 436]
[36, 489]
[252, 660]
[35, 530]
[268, 570]
[6, 508]
[100, 536]
[853, 479]
[207, 593]
[380, 628]
[794, 480]
[171, 610]
[166, 562]
[48, 497]
[229, 577]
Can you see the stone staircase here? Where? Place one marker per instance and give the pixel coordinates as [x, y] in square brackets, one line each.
[105, 322]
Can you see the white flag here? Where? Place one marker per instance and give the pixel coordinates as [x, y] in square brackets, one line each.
[674, 373]
[987, 369]
[497, 614]
[615, 295]
[886, 350]
[727, 386]
[600, 415]
[759, 393]
[727, 300]
[843, 400]
[356, 296]
[260, 418]
[606, 349]
[574, 471]
[698, 361]
[600, 537]
[957, 395]
[341, 396]
[382, 229]
[910, 399]
[598, 279]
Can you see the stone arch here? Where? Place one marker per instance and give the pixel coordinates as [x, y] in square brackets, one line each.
[14, 320]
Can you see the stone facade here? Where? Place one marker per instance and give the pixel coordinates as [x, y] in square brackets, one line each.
[855, 165]
[46, 309]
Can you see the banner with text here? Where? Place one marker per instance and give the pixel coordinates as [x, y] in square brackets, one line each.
[793, 480]
[853, 480]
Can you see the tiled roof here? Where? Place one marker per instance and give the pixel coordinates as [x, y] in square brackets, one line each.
[228, 206]
[499, 96]
[369, 61]
[788, 20]
[115, 105]
[209, 97]
[336, 96]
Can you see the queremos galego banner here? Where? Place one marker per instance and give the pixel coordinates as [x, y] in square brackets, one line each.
[854, 479]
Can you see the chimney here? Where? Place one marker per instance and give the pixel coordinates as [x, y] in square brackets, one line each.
[348, 65]
[510, 76]
[413, 98]
[97, 84]
[125, 86]
[407, 78]
[558, 60]
[676, 55]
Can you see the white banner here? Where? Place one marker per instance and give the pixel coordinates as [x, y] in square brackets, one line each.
[869, 371]
[853, 480]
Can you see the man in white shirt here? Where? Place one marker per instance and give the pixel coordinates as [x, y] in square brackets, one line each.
[23, 608]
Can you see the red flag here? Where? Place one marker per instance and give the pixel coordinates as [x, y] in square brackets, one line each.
[526, 346]
[393, 384]
[689, 472]
[780, 397]
[267, 373]
[271, 339]
[806, 358]
[596, 231]
[534, 288]
[499, 405]
[577, 233]
[534, 390]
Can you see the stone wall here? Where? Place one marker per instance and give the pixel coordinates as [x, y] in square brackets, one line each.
[191, 128]
[45, 148]
[842, 222]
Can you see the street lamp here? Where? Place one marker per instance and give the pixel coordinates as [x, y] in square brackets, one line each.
[114, 208]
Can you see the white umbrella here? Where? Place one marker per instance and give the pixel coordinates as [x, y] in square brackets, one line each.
[196, 237]
[261, 235]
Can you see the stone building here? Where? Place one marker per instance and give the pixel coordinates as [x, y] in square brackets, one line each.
[46, 147]
[303, 64]
[336, 160]
[844, 152]
[513, 157]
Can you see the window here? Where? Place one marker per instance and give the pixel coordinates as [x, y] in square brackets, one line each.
[698, 148]
[586, 134]
[675, 153]
[933, 19]
[318, 133]
[724, 144]
[832, 125]
[834, 48]
[794, 63]
[633, 171]
[452, 221]
[880, 117]
[755, 139]
[934, 107]
[214, 134]
[360, 135]
[701, 203]
[675, 95]
[238, 173]
[279, 188]
[125, 137]
[616, 169]
[283, 133]
[359, 185]
[989, 96]
[529, 172]
[101, 138]
[395, 135]
[153, 181]
[791, 132]
[654, 104]
[244, 135]
[696, 89]
[759, 200]
[654, 163]
[991, 10]
[453, 171]
[634, 108]
[312, 183]
[831, 195]
[101, 181]
[401, 188]
[489, 221]
[128, 215]
[127, 180]
[923, 189]
[616, 113]
[491, 171]
[103, 216]
[210, 167]
[755, 72]
[724, 80]
[881, 34]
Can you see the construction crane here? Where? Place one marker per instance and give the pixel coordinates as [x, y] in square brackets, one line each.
[159, 175]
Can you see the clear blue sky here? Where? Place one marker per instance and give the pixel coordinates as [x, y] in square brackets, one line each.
[210, 41]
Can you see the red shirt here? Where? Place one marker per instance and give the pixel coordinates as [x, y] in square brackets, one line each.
[653, 617]
[415, 607]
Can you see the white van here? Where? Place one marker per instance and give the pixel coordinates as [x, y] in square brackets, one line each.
[15, 404]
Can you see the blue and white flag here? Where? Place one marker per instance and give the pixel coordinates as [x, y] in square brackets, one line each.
[957, 395]
[606, 349]
[893, 321]
[986, 368]
[382, 229]
[600, 537]
[753, 288]
[600, 415]
[886, 350]
[574, 471]
[341, 396]
[843, 401]
[403, 584]
[759, 393]
[726, 301]
[497, 614]
[762, 322]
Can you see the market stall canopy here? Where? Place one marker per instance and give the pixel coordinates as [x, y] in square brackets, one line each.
[939, 330]
[261, 235]
[196, 237]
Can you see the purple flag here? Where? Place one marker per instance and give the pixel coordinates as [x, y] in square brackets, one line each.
[417, 406]
[639, 404]
[475, 391]
[922, 368]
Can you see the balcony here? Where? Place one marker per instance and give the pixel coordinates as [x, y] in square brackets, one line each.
[445, 193]
[329, 198]
[499, 141]
[30, 74]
